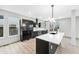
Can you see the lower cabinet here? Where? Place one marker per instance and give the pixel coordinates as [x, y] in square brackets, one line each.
[44, 47]
[26, 35]
[36, 33]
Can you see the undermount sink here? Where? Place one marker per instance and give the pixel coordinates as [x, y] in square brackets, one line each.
[53, 33]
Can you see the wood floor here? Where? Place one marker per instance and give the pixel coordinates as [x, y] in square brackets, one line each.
[67, 48]
[29, 47]
[25, 47]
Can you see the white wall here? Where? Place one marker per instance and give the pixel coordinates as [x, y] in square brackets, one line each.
[65, 26]
[65, 10]
[63, 14]
[77, 26]
[7, 39]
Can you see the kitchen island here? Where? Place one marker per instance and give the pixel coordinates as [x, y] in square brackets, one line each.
[48, 43]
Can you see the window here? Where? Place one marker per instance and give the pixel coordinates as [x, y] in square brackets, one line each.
[1, 26]
[13, 26]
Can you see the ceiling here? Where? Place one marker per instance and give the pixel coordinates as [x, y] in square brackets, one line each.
[35, 11]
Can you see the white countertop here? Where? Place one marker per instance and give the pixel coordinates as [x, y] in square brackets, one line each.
[39, 29]
[56, 39]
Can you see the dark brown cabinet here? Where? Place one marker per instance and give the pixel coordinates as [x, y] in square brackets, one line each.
[44, 47]
[26, 29]
[37, 33]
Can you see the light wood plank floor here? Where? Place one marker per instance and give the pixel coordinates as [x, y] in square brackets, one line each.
[67, 48]
[29, 47]
[25, 47]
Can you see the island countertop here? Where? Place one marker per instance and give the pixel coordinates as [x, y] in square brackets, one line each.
[39, 29]
[52, 38]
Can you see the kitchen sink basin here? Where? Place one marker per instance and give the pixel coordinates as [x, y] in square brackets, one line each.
[53, 33]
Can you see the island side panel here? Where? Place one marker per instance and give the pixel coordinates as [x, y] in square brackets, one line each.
[42, 47]
[52, 48]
